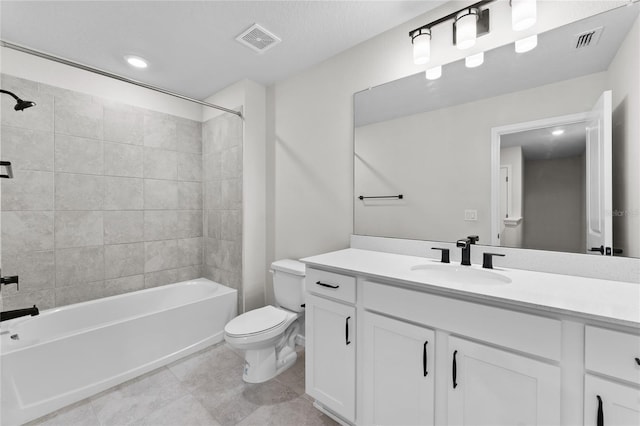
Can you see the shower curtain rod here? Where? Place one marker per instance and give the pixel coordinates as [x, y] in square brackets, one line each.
[114, 76]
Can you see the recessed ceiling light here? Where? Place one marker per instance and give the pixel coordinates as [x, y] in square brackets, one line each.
[136, 61]
[557, 132]
[433, 73]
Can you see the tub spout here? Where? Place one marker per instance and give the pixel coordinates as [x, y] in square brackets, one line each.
[8, 315]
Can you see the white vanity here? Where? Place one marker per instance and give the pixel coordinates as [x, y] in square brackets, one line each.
[403, 340]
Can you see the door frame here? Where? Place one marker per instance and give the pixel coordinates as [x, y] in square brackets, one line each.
[496, 134]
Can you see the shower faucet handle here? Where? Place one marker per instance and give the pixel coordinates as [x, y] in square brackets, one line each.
[14, 279]
[7, 166]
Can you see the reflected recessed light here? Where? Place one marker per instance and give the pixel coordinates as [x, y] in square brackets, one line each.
[136, 61]
[557, 132]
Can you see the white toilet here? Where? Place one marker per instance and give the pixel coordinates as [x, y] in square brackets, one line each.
[267, 335]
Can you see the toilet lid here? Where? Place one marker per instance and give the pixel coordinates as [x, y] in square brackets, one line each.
[256, 321]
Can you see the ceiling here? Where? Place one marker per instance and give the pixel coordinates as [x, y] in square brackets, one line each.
[542, 144]
[190, 45]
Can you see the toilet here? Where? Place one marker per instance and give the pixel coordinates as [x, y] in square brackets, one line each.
[267, 335]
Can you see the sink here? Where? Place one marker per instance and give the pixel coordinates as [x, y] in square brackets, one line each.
[442, 273]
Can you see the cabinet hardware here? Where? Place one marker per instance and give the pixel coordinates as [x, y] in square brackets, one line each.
[600, 421]
[637, 360]
[424, 358]
[326, 285]
[454, 368]
[346, 331]
[399, 197]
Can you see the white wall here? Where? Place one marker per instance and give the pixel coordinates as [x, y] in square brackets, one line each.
[623, 80]
[311, 126]
[31, 67]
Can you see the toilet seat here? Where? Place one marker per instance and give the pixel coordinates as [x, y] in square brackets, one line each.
[257, 321]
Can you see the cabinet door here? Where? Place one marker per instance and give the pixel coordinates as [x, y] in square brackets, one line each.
[490, 386]
[607, 403]
[398, 372]
[330, 352]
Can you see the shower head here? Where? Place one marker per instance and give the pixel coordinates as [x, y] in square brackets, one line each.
[20, 104]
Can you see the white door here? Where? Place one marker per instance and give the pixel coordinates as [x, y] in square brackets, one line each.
[614, 404]
[489, 386]
[330, 368]
[598, 177]
[398, 372]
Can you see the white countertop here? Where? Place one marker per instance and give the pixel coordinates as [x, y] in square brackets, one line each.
[611, 301]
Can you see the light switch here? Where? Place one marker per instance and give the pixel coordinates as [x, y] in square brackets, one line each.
[471, 215]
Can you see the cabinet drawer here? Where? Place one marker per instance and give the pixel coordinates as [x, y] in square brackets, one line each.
[532, 334]
[337, 286]
[612, 353]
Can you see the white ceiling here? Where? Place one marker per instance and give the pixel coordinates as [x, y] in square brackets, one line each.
[541, 144]
[190, 45]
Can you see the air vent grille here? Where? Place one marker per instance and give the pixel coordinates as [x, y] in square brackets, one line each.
[588, 38]
[257, 38]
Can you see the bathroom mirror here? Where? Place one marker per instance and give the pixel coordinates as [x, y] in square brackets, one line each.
[428, 154]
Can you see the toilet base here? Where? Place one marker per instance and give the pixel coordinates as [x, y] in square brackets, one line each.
[261, 364]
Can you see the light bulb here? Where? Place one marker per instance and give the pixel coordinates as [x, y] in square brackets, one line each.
[466, 28]
[523, 14]
[474, 60]
[434, 73]
[422, 47]
[527, 44]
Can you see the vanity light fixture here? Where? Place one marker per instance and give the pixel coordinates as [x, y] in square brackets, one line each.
[433, 73]
[526, 44]
[468, 24]
[421, 40]
[473, 61]
[136, 61]
[524, 14]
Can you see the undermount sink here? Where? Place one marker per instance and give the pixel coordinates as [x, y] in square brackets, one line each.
[459, 274]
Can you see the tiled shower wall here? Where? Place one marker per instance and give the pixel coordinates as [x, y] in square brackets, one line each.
[106, 199]
[222, 141]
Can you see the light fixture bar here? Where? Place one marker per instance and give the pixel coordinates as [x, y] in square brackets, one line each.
[452, 16]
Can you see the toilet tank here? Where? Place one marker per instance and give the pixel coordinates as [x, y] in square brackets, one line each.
[288, 284]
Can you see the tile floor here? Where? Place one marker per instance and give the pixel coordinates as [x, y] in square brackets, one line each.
[203, 389]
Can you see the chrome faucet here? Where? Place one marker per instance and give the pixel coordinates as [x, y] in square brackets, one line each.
[465, 244]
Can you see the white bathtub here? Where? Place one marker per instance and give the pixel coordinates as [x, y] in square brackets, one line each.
[69, 353]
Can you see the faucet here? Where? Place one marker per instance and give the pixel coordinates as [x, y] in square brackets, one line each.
[465, 244]
[8, 315]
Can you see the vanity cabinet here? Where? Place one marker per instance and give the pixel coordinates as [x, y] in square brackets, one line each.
[614, 400]
[489, 386]
[330, 370]
[398, 372]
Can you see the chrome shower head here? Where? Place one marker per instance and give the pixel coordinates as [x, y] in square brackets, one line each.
[20, 104]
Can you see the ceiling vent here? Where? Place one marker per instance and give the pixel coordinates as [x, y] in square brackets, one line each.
[587, 38]
[258, 38]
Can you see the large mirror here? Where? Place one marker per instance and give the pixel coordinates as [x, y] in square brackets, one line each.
[530, 150]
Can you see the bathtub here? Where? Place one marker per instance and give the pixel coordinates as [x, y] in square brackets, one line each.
[69, 353]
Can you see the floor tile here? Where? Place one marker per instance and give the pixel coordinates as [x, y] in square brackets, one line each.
[186, 411]
[137, 398]
[78, 414]
[297, 412]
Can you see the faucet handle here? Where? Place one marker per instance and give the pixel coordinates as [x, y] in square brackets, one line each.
[444, 258]
[487, 259]
[473, 239]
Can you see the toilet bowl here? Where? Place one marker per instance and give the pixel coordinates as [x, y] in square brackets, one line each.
[267, 335]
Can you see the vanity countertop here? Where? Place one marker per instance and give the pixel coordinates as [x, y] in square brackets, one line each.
[611, 301]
